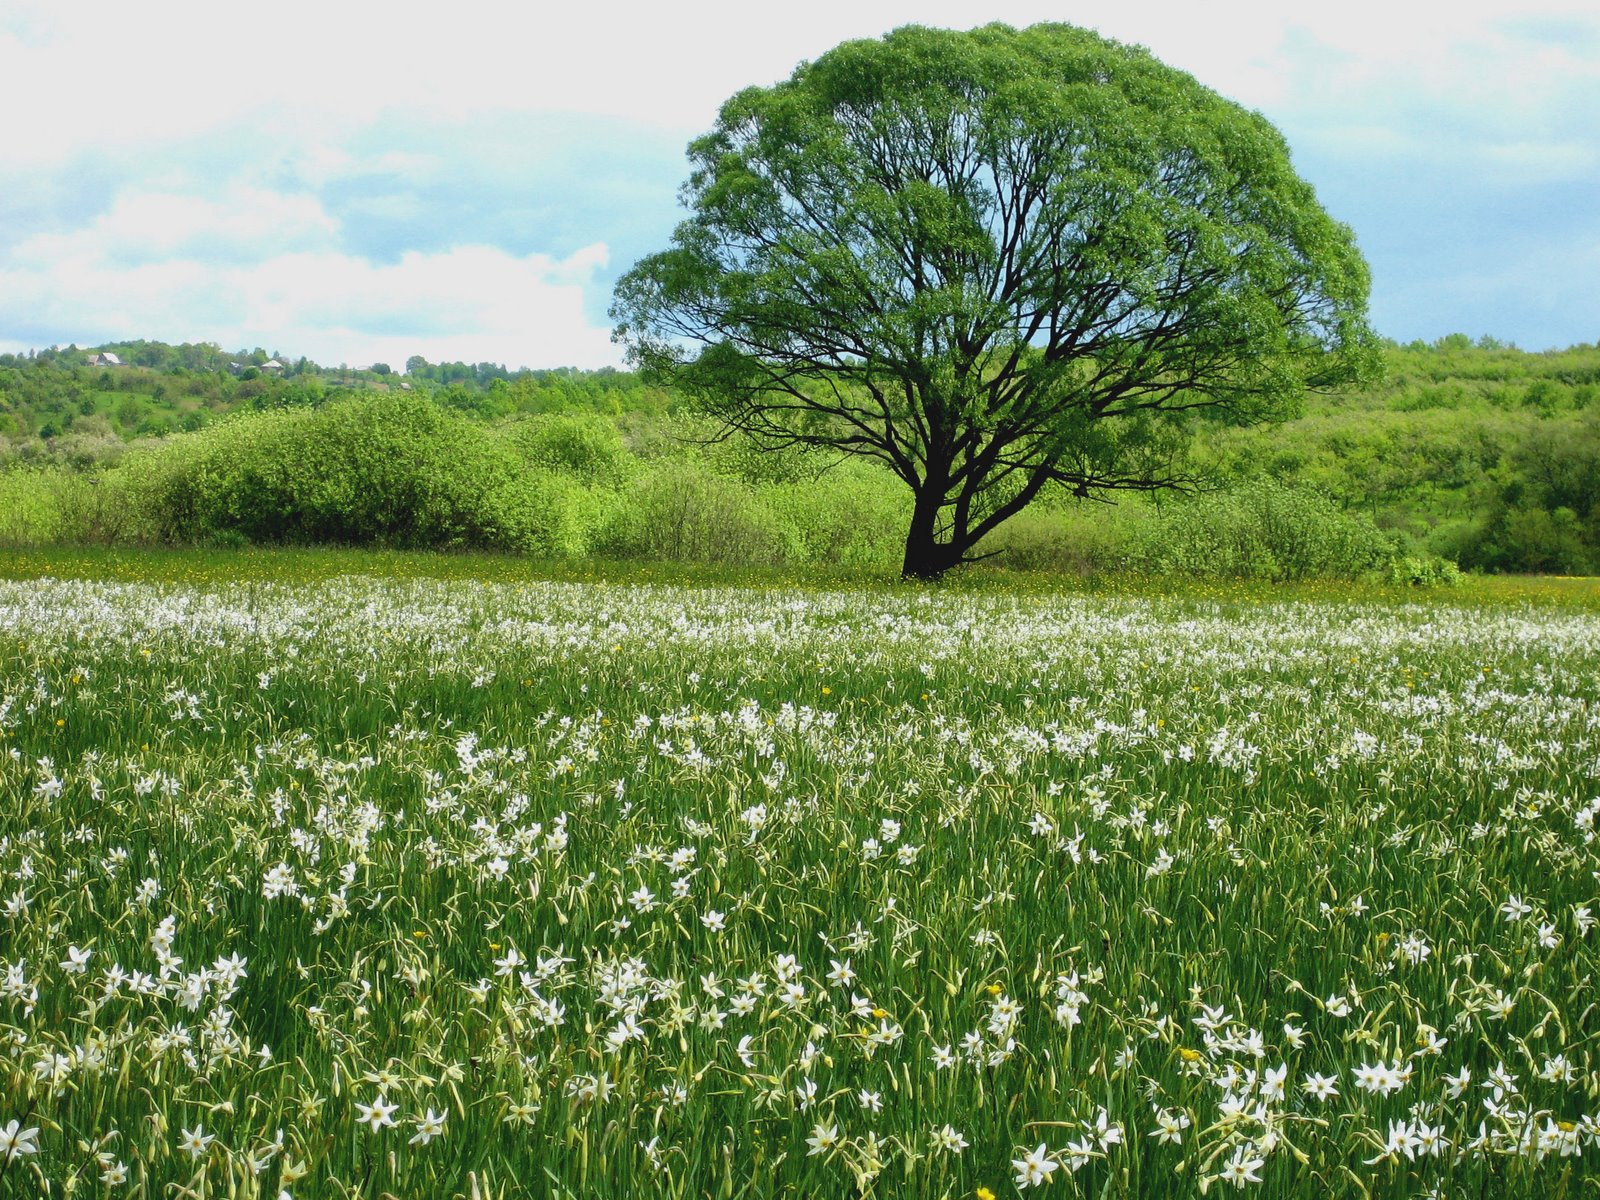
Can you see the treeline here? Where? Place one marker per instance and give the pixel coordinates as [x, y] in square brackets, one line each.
[1470, 452]
[56, 407]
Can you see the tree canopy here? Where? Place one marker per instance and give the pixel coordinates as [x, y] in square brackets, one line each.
[996, 261]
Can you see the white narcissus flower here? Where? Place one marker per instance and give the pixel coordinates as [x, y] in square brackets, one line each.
[1242, 1168]
[77, 961]
[16, 1141]
[949, 1140]
[429, 1126]
[1170, 1126]
[196, 1142]
[1515, 908]
[377, 1115]
[1034, 1168]
[1321, 1087]
[823, 1138]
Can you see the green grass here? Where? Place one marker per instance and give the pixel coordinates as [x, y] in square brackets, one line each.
[212, 567]
[1054, 829]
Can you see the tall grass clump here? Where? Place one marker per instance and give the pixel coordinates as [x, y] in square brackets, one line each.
[53, 504]
[1069, 537]
[850, 515]
[28, 505]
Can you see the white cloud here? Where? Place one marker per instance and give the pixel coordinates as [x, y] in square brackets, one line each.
[147, 226]
[218, 143]
[473, 303]
[319, 165]
[1546, 162]
[156, 71]
[1456, 82]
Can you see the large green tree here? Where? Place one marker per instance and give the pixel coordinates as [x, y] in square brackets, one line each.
[996, 261]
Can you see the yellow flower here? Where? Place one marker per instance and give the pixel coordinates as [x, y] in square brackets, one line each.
[827, 691]
[994, 989]
[985, 1194]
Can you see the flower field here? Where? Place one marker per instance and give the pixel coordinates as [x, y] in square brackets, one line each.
[369, 887]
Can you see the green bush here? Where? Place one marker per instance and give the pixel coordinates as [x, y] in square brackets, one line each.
[1261, 530]
[851, 516]
[396, 469]
[585, 446]
[378, 469]
[1425, 570]
[680, 512]
[1529, 539]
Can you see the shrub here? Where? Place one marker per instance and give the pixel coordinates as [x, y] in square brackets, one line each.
[852, 516]
[1425, 570]
[680, 512]
[1262, 530]
[379, 469]
[587, 447]
[1528, 539]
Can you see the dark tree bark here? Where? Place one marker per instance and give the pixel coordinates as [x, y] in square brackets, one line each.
[926, 557]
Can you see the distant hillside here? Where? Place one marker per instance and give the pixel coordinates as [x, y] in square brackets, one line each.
[1486, 454]
[72, 405]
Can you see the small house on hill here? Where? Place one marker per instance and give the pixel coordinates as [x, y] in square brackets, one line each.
[271, 367]
[105, 359]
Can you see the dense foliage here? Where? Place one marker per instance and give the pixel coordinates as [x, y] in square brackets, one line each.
[1478, 452]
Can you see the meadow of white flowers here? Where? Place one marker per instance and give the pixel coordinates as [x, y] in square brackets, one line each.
[372, 888]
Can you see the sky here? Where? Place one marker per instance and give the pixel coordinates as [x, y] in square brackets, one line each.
[357, 182]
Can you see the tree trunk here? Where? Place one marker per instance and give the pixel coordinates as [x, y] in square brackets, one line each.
[927, 558]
